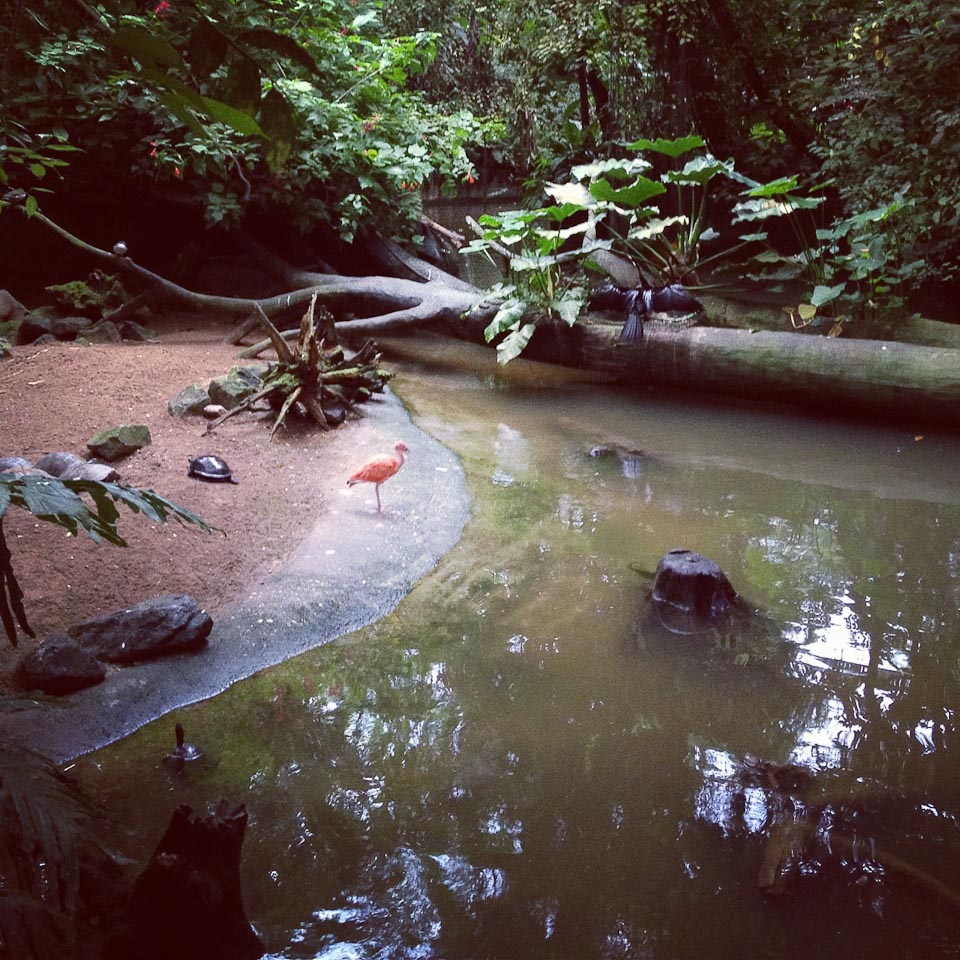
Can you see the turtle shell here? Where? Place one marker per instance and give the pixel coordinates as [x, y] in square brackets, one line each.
[210, 467]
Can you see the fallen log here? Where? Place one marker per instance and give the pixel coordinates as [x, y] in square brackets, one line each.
[837, 375]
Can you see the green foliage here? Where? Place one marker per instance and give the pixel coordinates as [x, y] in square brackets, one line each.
[855, 265]
[44, 826]
[94, 297]
[60, 502]
[886, 129]
[237, 107]
[531, 241]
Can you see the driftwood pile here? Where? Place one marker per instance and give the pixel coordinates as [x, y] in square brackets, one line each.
[314, 374]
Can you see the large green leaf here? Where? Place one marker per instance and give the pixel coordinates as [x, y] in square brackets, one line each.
[241, 121]
[508, 314]
[562, 212]
[774, 188]
[514, 344]
[147, 47]
[822, 294]
[569, 306]
[671, 148]
[60, 502]
[641, 190]
[700, 171]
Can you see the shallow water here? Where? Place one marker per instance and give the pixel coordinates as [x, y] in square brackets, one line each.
[515, 763]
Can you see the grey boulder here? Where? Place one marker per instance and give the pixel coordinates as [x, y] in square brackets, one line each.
[169, 624]
[59, 665]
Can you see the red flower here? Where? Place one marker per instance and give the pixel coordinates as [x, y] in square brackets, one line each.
[470, 178]
[162, 8]
[176, 171]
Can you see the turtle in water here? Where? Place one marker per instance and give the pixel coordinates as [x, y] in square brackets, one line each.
[211, 468]
[182, 753]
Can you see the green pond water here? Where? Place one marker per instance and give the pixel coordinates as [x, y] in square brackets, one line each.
[514, 763]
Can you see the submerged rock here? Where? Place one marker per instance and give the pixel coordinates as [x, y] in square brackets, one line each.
[691, 594]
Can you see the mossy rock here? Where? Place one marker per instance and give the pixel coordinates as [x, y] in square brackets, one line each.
[117, 442]
[189, 400]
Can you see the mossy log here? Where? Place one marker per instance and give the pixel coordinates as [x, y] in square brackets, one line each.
[840, 375]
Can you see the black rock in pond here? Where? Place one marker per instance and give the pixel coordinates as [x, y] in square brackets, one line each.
[188, 902]
[691, 594]
[154, 628]
[58, 665]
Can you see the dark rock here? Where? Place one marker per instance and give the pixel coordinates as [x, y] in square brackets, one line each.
[69, 328]
[14, 465]
[12, 311]
[691, 594]
[131, 330]
[188, 902]
[56, 464]
[58, 665]
[118, 442]
[335, 413]
[37, 323]
[190, 399]
[154, 628]
[250, 374]
[45, 339]
[230, 391]
[105, 331]
[101, 472]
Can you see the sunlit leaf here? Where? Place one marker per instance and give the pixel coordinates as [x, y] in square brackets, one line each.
[611, 167]
[514, 344]
[568, 307]
[656, 227]
[508, 314]
[568, 193]
[807, 311]
[700, 171]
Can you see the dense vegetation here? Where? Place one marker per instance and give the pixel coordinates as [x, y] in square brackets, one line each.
[328, 115]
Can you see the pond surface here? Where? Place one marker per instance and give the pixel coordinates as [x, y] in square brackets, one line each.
[515, 764]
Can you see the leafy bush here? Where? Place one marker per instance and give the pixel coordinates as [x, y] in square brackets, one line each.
[60, 502]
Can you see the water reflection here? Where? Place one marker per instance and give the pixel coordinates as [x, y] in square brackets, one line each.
[510, 765]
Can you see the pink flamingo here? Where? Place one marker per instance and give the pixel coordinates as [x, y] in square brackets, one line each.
[379, 469]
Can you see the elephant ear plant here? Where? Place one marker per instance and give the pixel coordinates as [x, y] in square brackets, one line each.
[61, 502]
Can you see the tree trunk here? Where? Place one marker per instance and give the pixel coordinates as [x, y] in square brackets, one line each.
[842, 376]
